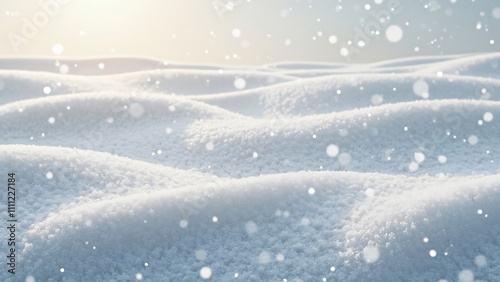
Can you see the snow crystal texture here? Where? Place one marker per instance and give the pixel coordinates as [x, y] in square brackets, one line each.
[152, 171]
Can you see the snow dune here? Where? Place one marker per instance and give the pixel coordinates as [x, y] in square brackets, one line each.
[135, 169]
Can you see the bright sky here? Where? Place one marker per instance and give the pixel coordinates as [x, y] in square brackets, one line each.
[249, 31]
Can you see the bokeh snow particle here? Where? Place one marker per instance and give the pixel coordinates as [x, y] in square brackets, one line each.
[64, 69]
[472, 139]
[88, 223]
[61, 269]
[480, 261]
[344, 52]
[236, 33]
[413, 167]
[136, 110]
[57, 49]
[371, 254]
[332, 39]
[433, 6]
[488, 117]
[377, 99]
[209, 146]
[332, 150]
[30, 278]
[421, 88]
[205, 272]
[51, 120]
[240, 83]
[251, 227]
[278, 213]
[49, 175]
[496, 13]
[305, 221]
[344, 159]
[138, 276]
[101, 66]
[200, 254]
[369, 192]
[432, 253]
[442, 159]
[311, 191]
[394, 33]
[264, 257]
[466, 276]
[47, 90]
[183, 223]
[419, 157]
[280, 257]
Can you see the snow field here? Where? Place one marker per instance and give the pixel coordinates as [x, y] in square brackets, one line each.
[156, 171]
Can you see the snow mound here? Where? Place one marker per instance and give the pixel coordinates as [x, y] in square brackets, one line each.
[62, 176]
[278, 215]
[136, 169]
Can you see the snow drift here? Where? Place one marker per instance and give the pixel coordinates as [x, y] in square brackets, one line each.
[156, 171]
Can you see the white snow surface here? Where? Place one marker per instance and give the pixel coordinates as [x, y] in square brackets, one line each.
[158, 171]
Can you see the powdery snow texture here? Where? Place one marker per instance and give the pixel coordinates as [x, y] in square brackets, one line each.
[158, 171]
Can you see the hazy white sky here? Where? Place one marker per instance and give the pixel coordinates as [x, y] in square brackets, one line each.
[249, 32]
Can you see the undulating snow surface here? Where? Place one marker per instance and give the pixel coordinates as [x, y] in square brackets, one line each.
[133, 169]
